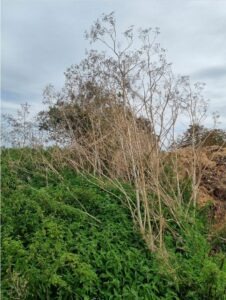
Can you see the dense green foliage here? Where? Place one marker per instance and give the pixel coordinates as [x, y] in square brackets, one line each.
[65, 238]
[198, 135]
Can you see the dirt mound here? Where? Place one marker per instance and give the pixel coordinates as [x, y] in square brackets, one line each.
[212, 164]
[214, 176]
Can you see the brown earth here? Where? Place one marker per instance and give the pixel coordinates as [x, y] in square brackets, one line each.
[212, 167]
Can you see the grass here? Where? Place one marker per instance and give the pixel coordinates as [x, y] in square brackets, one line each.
[65, 238]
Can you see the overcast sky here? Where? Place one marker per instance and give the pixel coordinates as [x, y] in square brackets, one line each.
[41, 38]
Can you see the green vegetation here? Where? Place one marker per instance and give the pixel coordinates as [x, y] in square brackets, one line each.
[65, 238]
[198, 135]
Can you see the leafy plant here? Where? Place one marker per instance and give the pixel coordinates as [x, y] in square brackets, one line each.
[69, 239]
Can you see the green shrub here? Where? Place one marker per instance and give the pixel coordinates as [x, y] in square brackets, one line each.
[68, 239]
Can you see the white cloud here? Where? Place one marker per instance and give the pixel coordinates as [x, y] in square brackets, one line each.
[40, 39]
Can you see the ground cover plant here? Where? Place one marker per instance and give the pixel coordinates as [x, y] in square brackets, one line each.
[64, 237]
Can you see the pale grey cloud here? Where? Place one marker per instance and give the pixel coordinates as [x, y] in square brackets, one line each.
[216, 72]
[41, 38]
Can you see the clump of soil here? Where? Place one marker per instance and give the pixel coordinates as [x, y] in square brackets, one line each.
[214, 176]
[212, 167]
